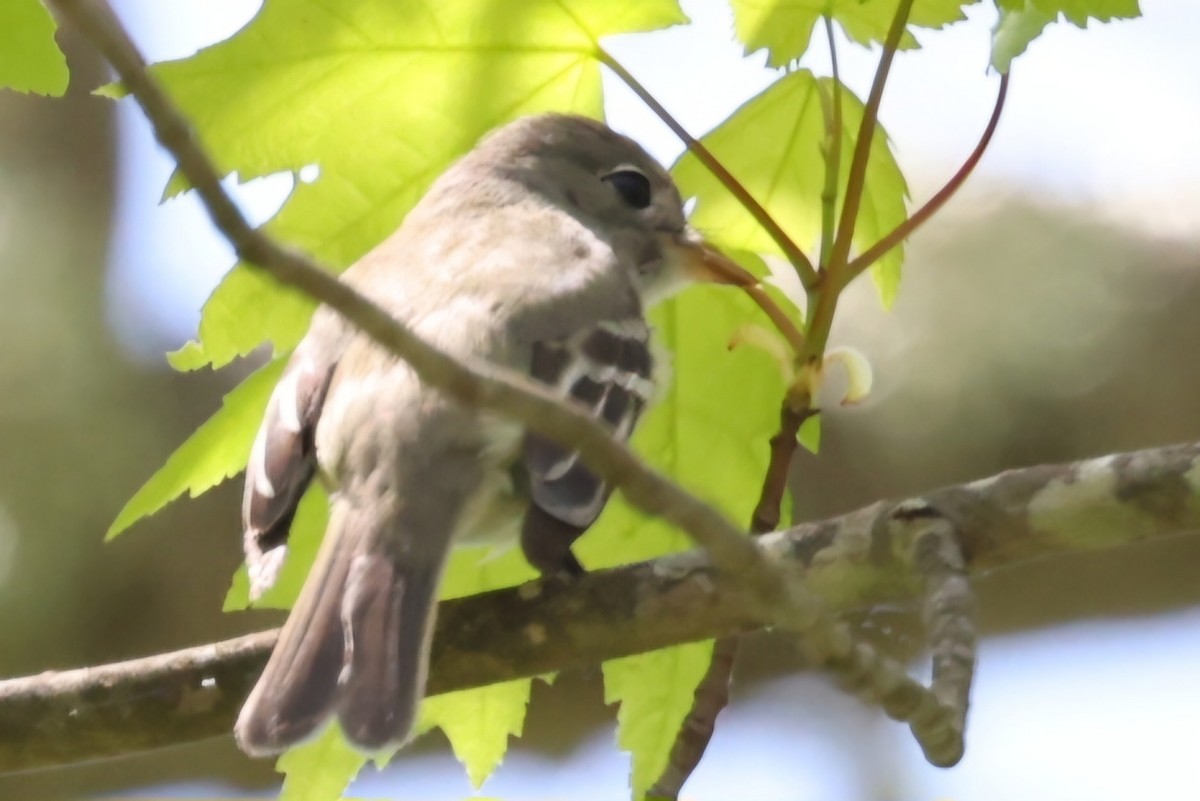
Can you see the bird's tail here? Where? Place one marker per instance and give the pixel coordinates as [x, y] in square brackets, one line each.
[356, 645]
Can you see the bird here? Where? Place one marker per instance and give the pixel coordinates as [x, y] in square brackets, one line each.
[540, 250]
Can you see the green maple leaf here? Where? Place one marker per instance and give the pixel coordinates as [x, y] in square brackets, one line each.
[304, 538]
[656, 692]
[785, 27]
[478, 722]
[382, 96]
[215, 451]
[30, 61]
[1022, 21]
[319, 769]
[773, 145]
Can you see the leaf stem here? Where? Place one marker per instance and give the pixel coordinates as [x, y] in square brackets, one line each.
[796, 256]
[918, 218]
[856, 182]
[781, 319]
[833, 152]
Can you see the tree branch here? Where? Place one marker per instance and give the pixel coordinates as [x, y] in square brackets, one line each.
[852, 562]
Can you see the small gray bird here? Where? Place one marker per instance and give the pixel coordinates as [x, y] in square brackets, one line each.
[540, 251]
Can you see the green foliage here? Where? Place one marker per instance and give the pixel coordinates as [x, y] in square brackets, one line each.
[354, 86]
[478, 723]
[304, 538]
[810, 435]
[1022, 21]
[30, 61]
[785, 27]
[218, 450]
[655, 690]
[710, 430]
[785, 173]
[319, 769]
[1079, 12]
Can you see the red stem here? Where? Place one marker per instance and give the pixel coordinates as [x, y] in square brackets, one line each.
[918, 218]
[797, 257]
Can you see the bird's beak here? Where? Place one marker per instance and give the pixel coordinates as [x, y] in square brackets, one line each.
[701, 261]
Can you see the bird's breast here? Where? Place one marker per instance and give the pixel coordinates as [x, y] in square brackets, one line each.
[493, 514]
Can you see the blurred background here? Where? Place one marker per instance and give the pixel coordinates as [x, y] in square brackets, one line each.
[1047, 315]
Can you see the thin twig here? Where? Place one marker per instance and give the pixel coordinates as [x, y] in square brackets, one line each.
[856, 180]
[712, 693]
[792, 252]
[833, 151]
[918, 218]
[712, 696]
[782, 320]
[775, 482]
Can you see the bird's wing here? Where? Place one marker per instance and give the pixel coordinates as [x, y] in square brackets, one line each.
[607, 368]
[282, 463]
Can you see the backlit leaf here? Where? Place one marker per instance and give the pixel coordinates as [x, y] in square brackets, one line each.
[1022, 21]
[382, 96]
[785, 27]
[478, 723]
[304, 538]
[656, 692]
[773, 146]
[217, 450]
[30, 61]
[319, 769]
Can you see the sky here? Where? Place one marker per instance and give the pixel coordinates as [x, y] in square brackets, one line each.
[1104, 119]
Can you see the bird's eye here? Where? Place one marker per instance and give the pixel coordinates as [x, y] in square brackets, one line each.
[632, 186]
